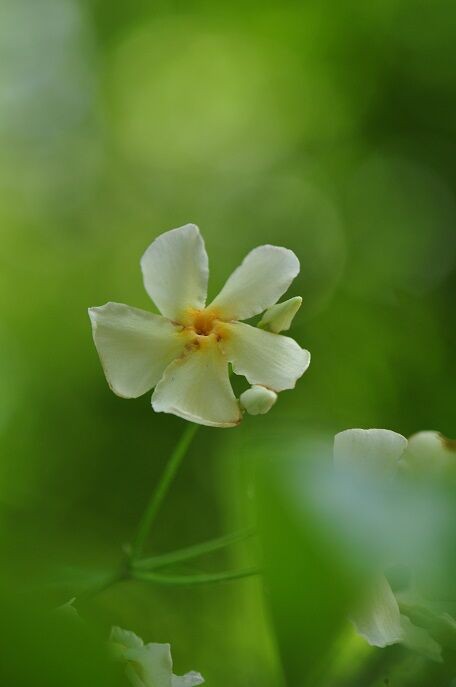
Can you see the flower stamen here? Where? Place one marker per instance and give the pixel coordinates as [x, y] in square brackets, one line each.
[203, 322]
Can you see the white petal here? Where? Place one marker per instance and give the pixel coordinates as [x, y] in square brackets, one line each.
[264, 275]
[134, 346]
[258, 400]
[419, 640]
[379, 622]
[176, 270]
[197, 388]
[187, 680]
[278, 317]
[372, 451]
[264, 358]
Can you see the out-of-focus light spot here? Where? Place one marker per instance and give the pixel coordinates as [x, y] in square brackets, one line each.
[188, 93]
[183, 94]
[46, 82]
[47, 102]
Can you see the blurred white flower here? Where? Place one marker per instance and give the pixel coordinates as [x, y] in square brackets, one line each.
[185, 351]
[379, 618]
[429, 453]
[148, 665]
[382, 454]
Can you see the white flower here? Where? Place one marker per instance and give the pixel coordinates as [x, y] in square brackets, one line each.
[374, 452]
[148, 665]
[383, 453]
[185, 351]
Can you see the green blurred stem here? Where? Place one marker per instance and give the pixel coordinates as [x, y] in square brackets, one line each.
[190, 580]
[106, 581]
[190, 552]
[162, 488]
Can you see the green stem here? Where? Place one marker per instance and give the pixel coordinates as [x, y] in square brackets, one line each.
[185, 554]
[106, 581]
[163, 486]
[186, 580]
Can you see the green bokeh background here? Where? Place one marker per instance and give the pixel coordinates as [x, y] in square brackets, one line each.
[327, 127]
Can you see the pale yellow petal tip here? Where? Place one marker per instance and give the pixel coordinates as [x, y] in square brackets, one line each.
[258, 400]
[279, 317]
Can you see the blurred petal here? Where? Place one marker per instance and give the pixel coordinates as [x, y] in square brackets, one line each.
[127, 639]
[148, 665]
[272, 360]
[264, 275]
[278, 317]
[176, 270]
[379, 621]
[132, 674]
[430, 452]
[375, 451]
[419, 640]
[197, 388]
[187, 680]
[154, 664]
[258, 400]
[134, 346]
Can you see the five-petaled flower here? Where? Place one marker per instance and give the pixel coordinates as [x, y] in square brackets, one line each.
[185, 351]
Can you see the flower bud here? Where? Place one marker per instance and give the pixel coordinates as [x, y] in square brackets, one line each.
[278, 317]
[258, 400]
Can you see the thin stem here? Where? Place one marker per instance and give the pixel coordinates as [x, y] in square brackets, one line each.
[187, 580]
[190, 552]
[118, 575]
[160, 492]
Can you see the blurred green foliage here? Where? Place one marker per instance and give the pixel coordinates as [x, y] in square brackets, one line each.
[326, 127]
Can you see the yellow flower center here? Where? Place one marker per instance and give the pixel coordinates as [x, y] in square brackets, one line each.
[202, 324]
[204, 321]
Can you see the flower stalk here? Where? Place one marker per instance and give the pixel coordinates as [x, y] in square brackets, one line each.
[190, 552]
[158, 495]
[191, 580]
